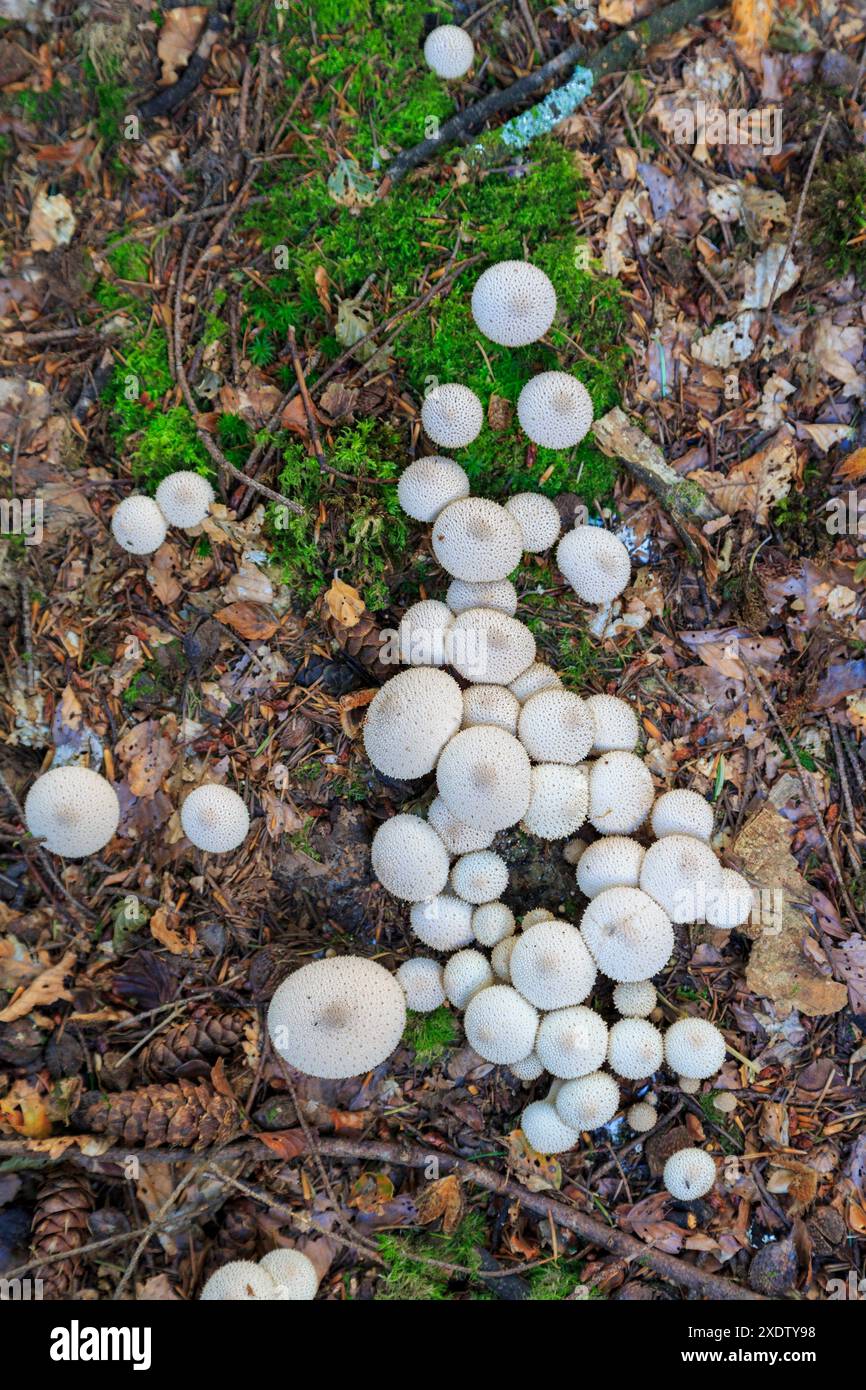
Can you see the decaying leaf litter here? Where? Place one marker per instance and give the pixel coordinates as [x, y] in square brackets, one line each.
[239, 290]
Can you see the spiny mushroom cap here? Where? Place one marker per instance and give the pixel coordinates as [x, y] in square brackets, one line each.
[621, 793]
[477, 540]
[635, 1048]
[138, 525]
[538, 914]
[452, 415]
[642, 1117]
[682, 874]
[551, 965]
[409, 859]
[558, 802]
[628, 934]
[635, 998]
[682, 812]
[214, 818]
[529, 1069]
[500, 957]
[443, 923]
[483, 776]
[467, 972]
[694, 1048]
[449, 51]
[410, 720]
[427, 486]
[337, 1017]
[239, 1281]
[595, 562]
[731, 905]
[293, 1273]
[689, 1174]
[538, 519]
[456, 836]
[500, 1025]
[588, 1102]
[725, 1103]
[490, 704]
[513, 303]
[421, 981]
[72, 810]
[615, 724]
[492, 922]
[425, 634]
[689, 1085]
[538, 676]
[572, 1042]
[184, 498]
[555, 410]
[545, 1131]
[555, 727]
[496, 593]
[612, 862]
[489, 647]
[479, 877]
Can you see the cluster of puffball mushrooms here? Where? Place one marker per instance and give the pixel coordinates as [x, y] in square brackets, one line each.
[281, 1276]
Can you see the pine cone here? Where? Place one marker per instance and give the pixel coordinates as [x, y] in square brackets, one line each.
[363, 642]
[186, 1115]
[59, 1225]
[189, 1049]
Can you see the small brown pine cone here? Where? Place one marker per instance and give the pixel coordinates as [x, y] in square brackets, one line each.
[183, 1115]
[188, 1050]
[363, 642]
[238, 1235]
[59, 1225]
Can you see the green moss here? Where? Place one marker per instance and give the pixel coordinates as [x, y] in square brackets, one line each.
[428, 1035]
[408, 1279]
[836, 214]
[555, 1281]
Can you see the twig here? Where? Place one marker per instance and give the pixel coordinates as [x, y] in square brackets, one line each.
[846, 795]
[309, 411]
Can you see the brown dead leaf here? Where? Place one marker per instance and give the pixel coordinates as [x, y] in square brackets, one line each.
[444, 1198]
[26, 1111]
[371, 1193]
[177, 40]
[345, 604]
[752, 20]
[52, 221]
[852, 468]
[148, 754]
[756, 484]
[162, 573]
[163, 928]
[500, 413]
[288, 1143]
[798, 1180]
[253, 621]
[47, 988]
[536, 1171]
[323, 288]
[281, 817]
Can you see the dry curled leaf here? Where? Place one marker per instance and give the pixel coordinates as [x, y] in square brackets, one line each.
[444, 1198]
[47, 988]
[148, 756]
[345, 604]
[253, 621]
[163, 928]
[177, 40]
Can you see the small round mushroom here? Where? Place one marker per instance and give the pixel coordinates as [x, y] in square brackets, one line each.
[595, 562]
[483, 776]
[551, 965]
[490, 704]
[572, 1042]
[294, 1275]
[456, 836]
[694, 1048]
[479, 877]
[500, 957]
[337, 1017]
[635, 998]
[558, 801]
[725, 1103]
[589, 1101]
[410, 720]
[495, 593]
[689, 1085]
[555, 410]
[537, 914]
[467, 972]
[538, 519]
[428, 485]
[682, 812]
[452, 415]
[513, 303]
[615, 723]
[449, 51]
[443, 923]
[409, 859]
[538, 676]
[477, 540]
[545, 1131]
[635, 1048]
[689, 1174]
[612, 862]
[682, 874]
[628, 935]
[138, 525]
[642, 1117]
[621, 793]
[529, 1069]
[72, 810]
[489, 648]
[425, 634]
[555, 727]
[731, 905]
[421, 981]
[214, 818]
[239, 1281]
[184, 499]
[500, 1025]
[492, 922]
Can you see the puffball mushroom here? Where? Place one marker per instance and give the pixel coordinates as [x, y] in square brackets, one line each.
[612, 862]
[490, 704]
[621, 793]
[694, 1048]
[410, 720]
[449, 51]
[452, 415]
[558, 801]
[184, 498]
[538, 676]
[635, 998]
[500, 957]
[628, 935]
[615, 724]
[425, 634]
[538, 519]
[427, 486]
[72, 810]
[545, 1131]
[421, 981]
[337, 1017]
[682, 874]
[409, 859]
[689, 1085]
[555, 727]
[588, 1102]
[293, 1273]
[537, 914]
[635, 1048]
[731, 904]
[443, 923]
[138, 525]
[479, 877]
[555, 410]
[529, 1069]
[239, 1281]
[682, 812]
[467, 972]
[477, 540]
[513, 303]
[689, 1174]
[551, 966]
[488, 647]
[483, 776]
[642, 1117]
[495, 593]
[492, 922]
[456, 836]
[500, 1025]
[595, 562]
[572, 1042]
[214, 818]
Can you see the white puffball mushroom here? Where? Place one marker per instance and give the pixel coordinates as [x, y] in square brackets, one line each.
[682, 812]
[337, 1017]
[424, 634]
[529, 1069]
[694, 1048]
[555, 727]
[621, 793]
[456, 836]
[642, 1117]
[492, 593]
[483, 776]
[72, 810]
[555, 410]
[215, 818]
[410, 720]
[479, 877]
[629, 936]
[589, 1101]
[492, 922]
[452, 415]
[489, 648]
[689, 1174]
[612, 862]
[421, 981]
[689, 1085]
[443, 923]
[490, 704]
[500, 1025]
[635, 998]
[449, 51]
[465, 973]
[615, 723]
[545, 1131]
[731, 904]
[537, 914]
[538, 676]
[635, 1048]
[538, 519]
[477, 540]
[682, 874]
[595, 562]
[572, 1042]
[551, 966]
[725, 1103]
[138, 525]
[294, 1275]
[184, 499]
[513, 303]
[409, 859]
[427, 486]
[239, 1281]
[558, 801]
[500, 957]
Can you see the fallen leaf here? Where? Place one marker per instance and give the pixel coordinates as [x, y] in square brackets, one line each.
[47, 988]
[443, 1197]
[536, 1171]
[162, 573]
[52, 222]
[752, 20]
[163, 928]
[26, 1111]
[252, 621]
[756, 484]
[852, 468]
[148, 755]
[178, 38]
[345, 604]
